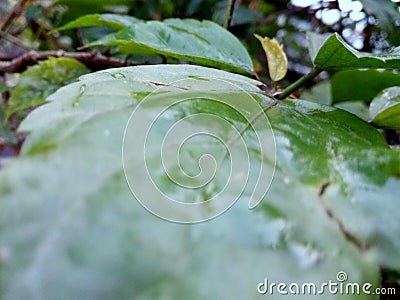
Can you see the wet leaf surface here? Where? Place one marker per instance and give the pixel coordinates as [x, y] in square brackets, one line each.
[205, 43]
[385, 109]
[81, 232]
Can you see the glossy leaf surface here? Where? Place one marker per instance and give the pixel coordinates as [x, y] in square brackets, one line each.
[361, 85]
[203, 42]
[385, 109]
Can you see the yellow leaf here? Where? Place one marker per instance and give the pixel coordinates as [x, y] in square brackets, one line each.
[276, 57]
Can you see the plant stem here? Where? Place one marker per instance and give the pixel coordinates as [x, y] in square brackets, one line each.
[229, 13]
[299, 83]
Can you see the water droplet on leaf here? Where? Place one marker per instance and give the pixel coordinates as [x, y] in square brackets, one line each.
[81, 91]
[118, 76]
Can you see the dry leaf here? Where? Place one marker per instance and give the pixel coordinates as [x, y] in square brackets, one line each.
[276, 57]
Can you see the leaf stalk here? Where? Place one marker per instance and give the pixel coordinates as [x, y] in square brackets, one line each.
[229, 14]
[299, 83]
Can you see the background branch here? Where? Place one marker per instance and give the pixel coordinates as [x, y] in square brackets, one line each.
[93, 60]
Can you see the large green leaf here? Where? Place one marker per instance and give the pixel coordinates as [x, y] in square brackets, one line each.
[385, 109]
[39, 81]
[203, 42]
[360, 109]
[361, 85]
[70, 228]
[334, 53]
[321, 93]
[113, 21]
[360, 178]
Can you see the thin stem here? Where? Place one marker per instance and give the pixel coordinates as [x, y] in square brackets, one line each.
[299, 83]
[229, 13]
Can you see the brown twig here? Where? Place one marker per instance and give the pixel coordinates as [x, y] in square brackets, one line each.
[93, 60]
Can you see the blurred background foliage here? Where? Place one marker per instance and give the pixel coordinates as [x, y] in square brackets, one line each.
[368, 25]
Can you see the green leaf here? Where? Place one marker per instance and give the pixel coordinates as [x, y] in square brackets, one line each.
[361, 85]
[203, 42]
[70, 228]
[113, 21]
[359, 109]
[327, 145]
[388, 16]
[276, 57]
[315, 42]
[319, 93]
[39, 81]
[334, 53]
[385, 109]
